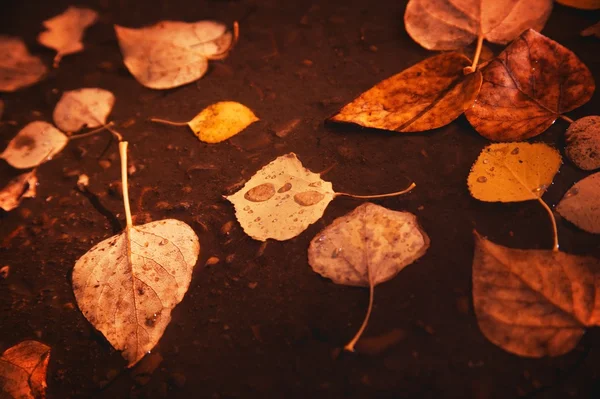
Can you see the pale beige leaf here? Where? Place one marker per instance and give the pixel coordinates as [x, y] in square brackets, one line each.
[534, 302]
[513, 172]
[81, 108]
[22, 186]
[18, 68]
[281, 200]
[452, 24]
[64, 32]
[170, 54]
[23, 371]
[371, 244]
[127, 285]
[36, 143]
[581, 204]
[222, 120]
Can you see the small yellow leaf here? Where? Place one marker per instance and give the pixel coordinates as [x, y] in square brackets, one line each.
[513, 172]
[222, 120]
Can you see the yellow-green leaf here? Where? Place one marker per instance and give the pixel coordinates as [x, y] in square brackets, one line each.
[513, 172]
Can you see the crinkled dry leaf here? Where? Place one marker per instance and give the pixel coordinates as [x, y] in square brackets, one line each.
[170, 54]
[534, 302]
[65, 31]
[581, 204]
[81, 108]
[281, 200]
[23, 371]
[366, 247]
[530, 84]
[513, 172]
[583, 142]
[222, 120]
[22, 186]
[593, 30]
[127, 285]
[426, 96]
[36, 143]
[582, 4]
[452, 24]
[18, 68]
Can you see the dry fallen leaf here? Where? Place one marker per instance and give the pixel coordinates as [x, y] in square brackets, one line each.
[65, 31]
[170, 54]
[534, 302]
[283, 198]
[34, 144]
[581, 204]
[81, 108]
[426, 96]
[583, 142]
[127, 285]
[593, 30]
[366, 247]
[582, 4]
[527, 87]
[451, 24]
[18, 68]
[23, 371]
[22, 186]
[218, 121]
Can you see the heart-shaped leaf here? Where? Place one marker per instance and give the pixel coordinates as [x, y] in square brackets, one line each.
[451, 24]
[36, 143]
[583, 142]
[366, 247]
[23, 371]
[81, 108]
[65, 31]
[530, 84]
[426, 96]
[22, 186]
[581, 204]
[18, 68]
[534, 302]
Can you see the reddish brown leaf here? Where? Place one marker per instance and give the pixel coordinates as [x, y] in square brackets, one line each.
[530, 84]
[534, 302]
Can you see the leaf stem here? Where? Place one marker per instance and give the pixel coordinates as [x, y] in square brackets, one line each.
[350, 345]
[566, 118]
[123, 153]
[166, 122]
[92, 132]
[412, 185]
[553, 220]
[478, 49]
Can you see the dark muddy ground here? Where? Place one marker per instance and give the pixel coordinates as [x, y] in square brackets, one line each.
[266, 325]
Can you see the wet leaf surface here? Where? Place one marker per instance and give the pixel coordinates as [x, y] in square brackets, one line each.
[583, 142]
[513, 172]
[23, 371]
[64, 32]
[22, 186]
[581, 204]
[36, 143]
[450, 25]
[534, 303]
[81, 108]
[527, 87]
[426, 96]
[18, 68]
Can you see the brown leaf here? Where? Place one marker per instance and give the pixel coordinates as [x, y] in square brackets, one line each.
[23, 371]
[593, 30]
[581, 4]
[18, 68]
[534, 302]
[22, 186]
[581, 204]
[451, 24]
[583, 142]
[530, 84]
[426, 96]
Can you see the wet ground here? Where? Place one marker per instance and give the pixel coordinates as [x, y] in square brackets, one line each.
[260, 323]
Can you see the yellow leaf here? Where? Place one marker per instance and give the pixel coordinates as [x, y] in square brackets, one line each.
[513, 172]
[582, 4]
[222, 120]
